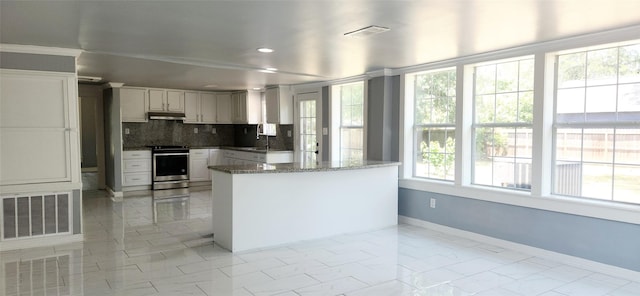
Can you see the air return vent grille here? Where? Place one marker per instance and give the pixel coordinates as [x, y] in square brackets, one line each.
[36, 215]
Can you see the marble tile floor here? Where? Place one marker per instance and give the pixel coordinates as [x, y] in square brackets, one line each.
[138, 247]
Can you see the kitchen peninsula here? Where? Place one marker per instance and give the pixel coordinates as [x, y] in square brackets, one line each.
[263, 205]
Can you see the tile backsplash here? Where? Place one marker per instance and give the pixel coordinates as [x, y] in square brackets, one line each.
[167, 132]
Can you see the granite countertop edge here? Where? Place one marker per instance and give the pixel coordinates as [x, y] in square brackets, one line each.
[242, 149]
[297, 168]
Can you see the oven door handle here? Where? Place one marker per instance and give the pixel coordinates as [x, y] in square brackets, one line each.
[170, 154]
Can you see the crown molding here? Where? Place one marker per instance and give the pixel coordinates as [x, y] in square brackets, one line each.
[379, 73]
[33, 49]
[113, 85]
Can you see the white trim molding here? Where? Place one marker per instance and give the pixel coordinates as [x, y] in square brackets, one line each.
[32, 49]
[40, 241]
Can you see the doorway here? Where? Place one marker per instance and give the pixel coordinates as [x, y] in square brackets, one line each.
[308, 115]
[91, 137]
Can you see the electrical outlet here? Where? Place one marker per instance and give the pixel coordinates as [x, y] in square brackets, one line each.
[195, 130]
[126, 131]
[213, 130]
[432, 203]
[289, 133]
[245, 130]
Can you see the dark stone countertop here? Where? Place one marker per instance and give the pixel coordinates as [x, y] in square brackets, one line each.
[300, 167]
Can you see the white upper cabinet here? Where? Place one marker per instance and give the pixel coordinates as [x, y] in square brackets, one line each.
[246, 107]
[223, 108]
[192, 107]
[133, 103]
[166, 100]
[200, 107]
[279, 104]
[208, 108]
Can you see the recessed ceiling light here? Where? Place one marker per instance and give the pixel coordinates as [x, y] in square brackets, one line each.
[271, 69]
[265, 50]
[211, 85]
[257, 88]
[367, 31]
[266, 71]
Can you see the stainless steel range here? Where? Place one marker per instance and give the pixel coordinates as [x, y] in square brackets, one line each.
[170, 167]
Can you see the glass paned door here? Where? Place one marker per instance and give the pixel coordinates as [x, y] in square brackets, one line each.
[308, 140]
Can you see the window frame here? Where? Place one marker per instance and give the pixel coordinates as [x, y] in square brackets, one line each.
[335, 116]
[496, 125]
[585, 125]
[540, 196]
[443, 126]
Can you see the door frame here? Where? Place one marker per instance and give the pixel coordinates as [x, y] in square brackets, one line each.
[313, 94]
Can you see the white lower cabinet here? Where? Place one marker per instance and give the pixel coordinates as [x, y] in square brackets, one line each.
[136, 168]
[198, 162]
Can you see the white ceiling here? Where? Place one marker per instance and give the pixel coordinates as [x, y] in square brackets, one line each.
[190, 44]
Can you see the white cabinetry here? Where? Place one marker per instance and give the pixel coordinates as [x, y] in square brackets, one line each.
[223, 108]
[279, 105]
[200, 107]
[134, 103]
[215, 157]
[246, 107]
[198, 162]
[136, 168]
[166, 100]
[38, 128]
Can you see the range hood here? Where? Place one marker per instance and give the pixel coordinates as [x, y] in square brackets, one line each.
[167, 115]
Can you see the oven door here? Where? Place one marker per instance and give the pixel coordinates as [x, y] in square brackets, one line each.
[170, 166]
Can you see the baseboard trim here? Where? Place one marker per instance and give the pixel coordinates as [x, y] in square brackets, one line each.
[40, 242]
[115, 195]
[559, 257]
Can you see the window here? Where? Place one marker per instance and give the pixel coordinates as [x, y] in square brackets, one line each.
[502, 128]
[267, 129]
[434, 123]
[596, 133]
[348, 119]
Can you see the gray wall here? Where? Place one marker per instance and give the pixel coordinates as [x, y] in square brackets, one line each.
[605, 241]
[383, 118]
[324, 150]
[112, 140]
[37, 62]
[88, 127]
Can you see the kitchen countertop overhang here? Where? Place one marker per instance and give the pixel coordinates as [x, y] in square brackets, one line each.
[301, 167]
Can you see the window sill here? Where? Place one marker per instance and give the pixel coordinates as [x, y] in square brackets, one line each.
[577, 206]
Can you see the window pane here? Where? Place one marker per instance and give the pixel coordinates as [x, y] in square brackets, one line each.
[601, 103]
[571, 70]
[629, 70]
[602, 66]
[523, 142]
[485, 80]
[525, 105]
[569, 144]
[436, 153]
[597, 181]
[598, 145]
[526, 75]
[507, 77]
[629, 102]
[627, 147]
[507, 107]
[570, 105]
[485, 109]
[626, 186]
